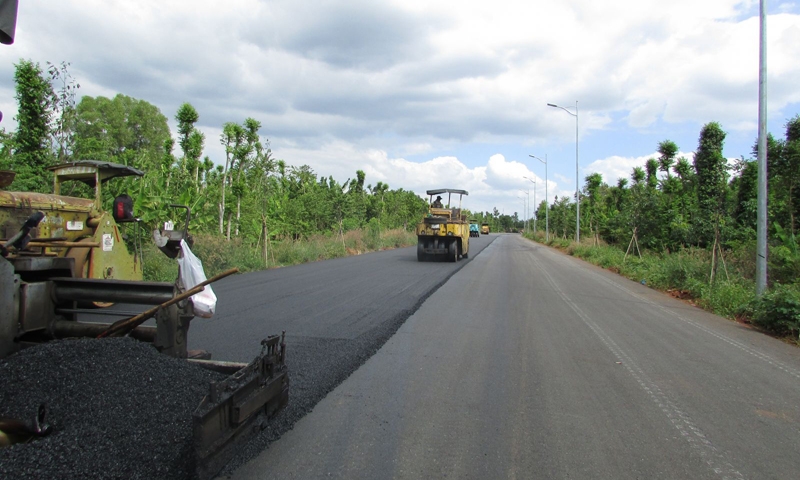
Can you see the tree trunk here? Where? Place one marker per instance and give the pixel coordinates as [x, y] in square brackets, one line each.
[222, 202]
[265, 233]
[238, 213]
[228, 236]
[222, 209]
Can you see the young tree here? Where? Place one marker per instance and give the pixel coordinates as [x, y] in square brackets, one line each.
[231, 138]
[652, 173]
[64, 111]
[711, 170]
[667, 151]
[186, 117]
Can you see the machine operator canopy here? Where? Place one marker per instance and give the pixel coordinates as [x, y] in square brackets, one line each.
[447, 190]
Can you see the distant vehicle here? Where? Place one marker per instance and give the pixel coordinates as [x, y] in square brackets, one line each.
[474, 229]
[485, 228]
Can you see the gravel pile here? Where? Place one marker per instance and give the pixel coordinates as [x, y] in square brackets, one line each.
[118, 409]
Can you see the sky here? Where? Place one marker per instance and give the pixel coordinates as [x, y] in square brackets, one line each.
[427, 94]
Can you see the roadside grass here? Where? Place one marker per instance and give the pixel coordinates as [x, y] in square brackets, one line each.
[686, 274]
[219, 254]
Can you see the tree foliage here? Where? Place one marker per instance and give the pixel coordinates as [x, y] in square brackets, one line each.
[32, 152]
[670, 202]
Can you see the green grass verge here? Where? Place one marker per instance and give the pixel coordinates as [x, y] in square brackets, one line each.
[687, 274]
[218, 254]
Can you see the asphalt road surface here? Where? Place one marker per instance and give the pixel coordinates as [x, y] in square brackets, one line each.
[525, 363]
[336, 315]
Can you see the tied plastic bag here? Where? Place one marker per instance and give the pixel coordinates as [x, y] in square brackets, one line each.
[192, 274]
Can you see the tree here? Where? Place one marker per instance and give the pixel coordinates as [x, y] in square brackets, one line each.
[786, 169]
[186, 117]
[667, 150]
[711, 170]
[231, 138]
[594, 182]
[745, 186]
[64, 110]
[652, 172]
[122, 130]
[32, 154]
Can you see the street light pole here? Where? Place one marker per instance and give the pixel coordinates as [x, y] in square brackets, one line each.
[533, 181]
[528, 207]
[546, 204]
[577, 181]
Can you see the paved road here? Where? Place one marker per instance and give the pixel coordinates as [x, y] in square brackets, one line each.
[340, 299]
[528, 363]
[336, 315]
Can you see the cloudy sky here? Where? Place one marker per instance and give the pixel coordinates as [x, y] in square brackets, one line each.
[425, 94]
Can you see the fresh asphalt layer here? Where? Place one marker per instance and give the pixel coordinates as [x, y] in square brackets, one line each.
[527, 363]
[336, 314]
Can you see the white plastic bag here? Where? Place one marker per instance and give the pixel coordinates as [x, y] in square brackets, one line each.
[192, 274]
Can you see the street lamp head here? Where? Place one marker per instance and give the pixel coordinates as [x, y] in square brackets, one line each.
[552, 105]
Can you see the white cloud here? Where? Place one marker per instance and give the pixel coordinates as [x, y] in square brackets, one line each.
[339, 85]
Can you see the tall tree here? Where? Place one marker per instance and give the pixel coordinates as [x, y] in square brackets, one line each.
[32, 153]
[787, 168]
[186, 117]
[122, 130]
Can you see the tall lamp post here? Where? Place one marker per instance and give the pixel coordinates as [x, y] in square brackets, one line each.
[527, 207]
[577, 181]
[546, 204]
[533, 181]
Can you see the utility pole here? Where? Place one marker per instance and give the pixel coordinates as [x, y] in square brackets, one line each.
[761, 222]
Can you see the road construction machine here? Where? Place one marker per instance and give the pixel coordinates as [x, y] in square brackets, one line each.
[61, 257]
[474, 229]
[444, 231]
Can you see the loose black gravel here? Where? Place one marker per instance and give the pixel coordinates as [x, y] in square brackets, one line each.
[118, 408]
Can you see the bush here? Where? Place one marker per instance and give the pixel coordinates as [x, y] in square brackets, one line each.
[778, 311]
[218, 254]
[728, 299]
[157, 267]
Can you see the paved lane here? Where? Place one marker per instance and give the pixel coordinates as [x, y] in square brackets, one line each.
[530, 364]
[336, 314]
